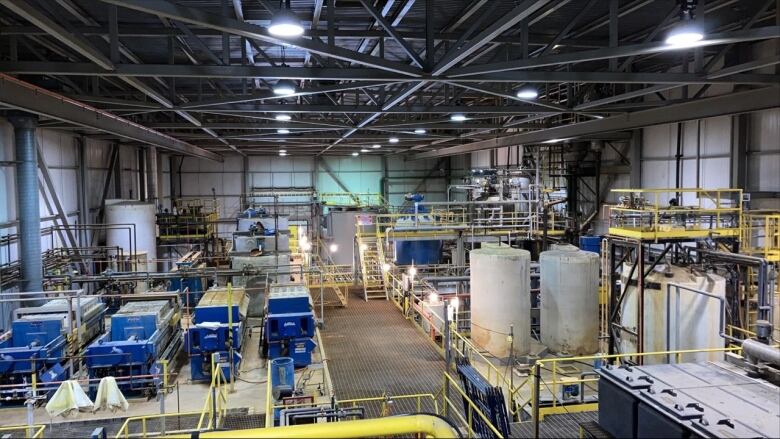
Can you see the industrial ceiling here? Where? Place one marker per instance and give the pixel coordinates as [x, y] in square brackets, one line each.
[424, 78]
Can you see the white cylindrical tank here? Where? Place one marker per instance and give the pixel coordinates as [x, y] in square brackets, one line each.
[569, 300]
[694, 320]
[120, 212]
[500, 298]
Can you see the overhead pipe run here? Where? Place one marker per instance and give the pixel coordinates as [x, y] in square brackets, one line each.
[27, 202]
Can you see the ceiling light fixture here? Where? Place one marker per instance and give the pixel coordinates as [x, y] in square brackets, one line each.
[285, 23]
[687, 33]
[364, 150]
[282, 150]
[283, 117]
[420, 131]
[527, 92]
[458, 117]
[283, 131]
[393, 140]
[284, 87]
[282, 154]
[355, 154]
[376, 146]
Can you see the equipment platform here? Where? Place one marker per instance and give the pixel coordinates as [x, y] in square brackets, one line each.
[373, 351]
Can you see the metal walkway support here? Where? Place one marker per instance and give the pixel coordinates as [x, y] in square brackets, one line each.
[27, 202]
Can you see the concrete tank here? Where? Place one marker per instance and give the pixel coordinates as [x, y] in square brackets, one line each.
[500, 297]
[120, 212]
[698, 323]
[569, 300]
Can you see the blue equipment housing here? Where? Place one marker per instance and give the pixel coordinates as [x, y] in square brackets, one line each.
[142, 334]
[210, 334]
[195, 285]
[426, 252]
[289, 328]
[37, 343]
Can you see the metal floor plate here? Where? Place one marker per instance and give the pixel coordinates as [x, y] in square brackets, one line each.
[373, 350]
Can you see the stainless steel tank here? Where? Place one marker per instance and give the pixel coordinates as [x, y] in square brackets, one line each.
[569, 300]
[500, 298]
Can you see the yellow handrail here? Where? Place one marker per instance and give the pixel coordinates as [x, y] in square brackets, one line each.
[30, 431]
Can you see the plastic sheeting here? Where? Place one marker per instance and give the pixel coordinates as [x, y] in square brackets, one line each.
[68, 399]
[109, 396]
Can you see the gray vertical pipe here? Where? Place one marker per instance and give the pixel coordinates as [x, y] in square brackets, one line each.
[28, 210]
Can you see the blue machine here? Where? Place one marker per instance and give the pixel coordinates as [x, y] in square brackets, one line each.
[289, 328]
[194, 285]
[425, 252]
[37, 343]
[210, 334]
[591, 243]
[142, 334]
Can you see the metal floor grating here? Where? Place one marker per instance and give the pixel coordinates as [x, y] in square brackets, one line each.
[373, 350]
[565, 425]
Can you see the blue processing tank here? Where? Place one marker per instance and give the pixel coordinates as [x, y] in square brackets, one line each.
[289, 328]
[210, 334]
[38, 343]
[142, 334]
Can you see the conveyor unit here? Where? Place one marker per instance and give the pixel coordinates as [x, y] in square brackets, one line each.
[289, 328]
[142, 334]
[213, 322]
[38, 343]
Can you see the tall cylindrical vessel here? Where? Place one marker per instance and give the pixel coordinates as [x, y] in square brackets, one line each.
[120, 212]
[569, 300]
[500, 298]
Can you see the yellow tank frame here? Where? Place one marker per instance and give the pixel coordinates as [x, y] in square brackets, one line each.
[656, 222]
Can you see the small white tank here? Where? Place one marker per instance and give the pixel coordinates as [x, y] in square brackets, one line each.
[500, 297]
[569, 300]
[697, 326]
[120, 212]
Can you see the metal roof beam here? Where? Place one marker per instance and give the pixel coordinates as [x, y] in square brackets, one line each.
[762, 33]
[459, 53]
[224, 24]
[364, 74]
[27, 97]
[734, 103]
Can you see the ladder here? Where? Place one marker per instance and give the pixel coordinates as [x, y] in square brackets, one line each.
[371, 259]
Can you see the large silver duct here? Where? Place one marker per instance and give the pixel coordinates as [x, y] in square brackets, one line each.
[28, 210]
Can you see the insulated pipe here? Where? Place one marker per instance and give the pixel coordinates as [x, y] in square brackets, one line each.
[427, 425]
[754, 349]
[27, 199]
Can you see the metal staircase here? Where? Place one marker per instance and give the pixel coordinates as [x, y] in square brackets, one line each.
[371, 259]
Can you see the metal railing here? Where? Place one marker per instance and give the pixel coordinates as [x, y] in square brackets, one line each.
[761, 235]
[357, 199]
[28, 431]
[651, 214]
[213, 412]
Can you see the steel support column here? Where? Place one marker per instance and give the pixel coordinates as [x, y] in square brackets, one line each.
[27, 201]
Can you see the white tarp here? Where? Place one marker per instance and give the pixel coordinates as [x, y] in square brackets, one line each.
[68, 399]
[109, 396]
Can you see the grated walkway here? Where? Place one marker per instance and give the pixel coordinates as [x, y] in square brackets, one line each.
[373, 350]
[565, 425]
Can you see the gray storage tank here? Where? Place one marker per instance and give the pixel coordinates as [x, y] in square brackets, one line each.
[569, 300]
[500, 297]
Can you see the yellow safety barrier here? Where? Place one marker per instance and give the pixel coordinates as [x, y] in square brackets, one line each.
[215, 406]
[557, 379]
[761, 235]
[29, 431]
[649, 214]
